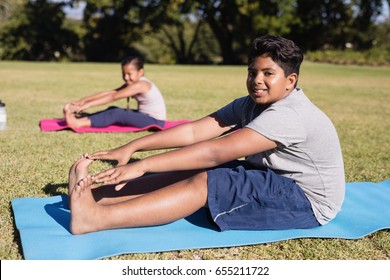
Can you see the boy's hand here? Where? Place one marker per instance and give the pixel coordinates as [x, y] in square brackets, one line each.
[115, 154]
[119, 175]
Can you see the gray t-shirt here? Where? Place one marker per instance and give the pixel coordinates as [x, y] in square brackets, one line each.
[308, 148]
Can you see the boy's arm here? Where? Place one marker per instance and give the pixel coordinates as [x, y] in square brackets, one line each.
[186, 134]
[201, 155]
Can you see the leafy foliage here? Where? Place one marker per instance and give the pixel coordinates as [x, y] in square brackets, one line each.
[183, 31]
[37, 33]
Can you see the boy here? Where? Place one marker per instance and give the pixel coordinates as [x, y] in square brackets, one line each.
[292, 176]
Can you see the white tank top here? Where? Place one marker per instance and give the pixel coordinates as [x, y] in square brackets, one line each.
[152, 103]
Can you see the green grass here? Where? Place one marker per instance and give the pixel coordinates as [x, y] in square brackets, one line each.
[36, 164]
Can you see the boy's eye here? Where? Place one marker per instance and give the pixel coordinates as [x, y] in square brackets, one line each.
[251, 74]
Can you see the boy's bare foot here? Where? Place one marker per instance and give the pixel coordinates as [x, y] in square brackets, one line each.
[84, 209]
[78, 171]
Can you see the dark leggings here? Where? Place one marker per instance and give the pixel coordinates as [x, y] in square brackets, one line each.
[119, 116]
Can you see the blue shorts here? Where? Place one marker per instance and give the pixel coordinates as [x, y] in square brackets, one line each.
[250, 199]
[119, 116]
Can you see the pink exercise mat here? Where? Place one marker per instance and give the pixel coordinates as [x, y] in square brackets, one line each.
[60, 124]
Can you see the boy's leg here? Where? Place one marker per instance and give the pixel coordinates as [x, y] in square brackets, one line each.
[161, 206]
[107, 194]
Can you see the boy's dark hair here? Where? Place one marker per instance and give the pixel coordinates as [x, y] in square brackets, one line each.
[281, 50]
[137, 61]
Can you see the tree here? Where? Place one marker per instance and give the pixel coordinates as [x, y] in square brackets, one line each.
[112, 27]
[182, 31]
[321, 23]
[325, 24]
[363, 25]
[235, 23]
[118, 28]
[6, 9]
[37, 33]
[187, 37]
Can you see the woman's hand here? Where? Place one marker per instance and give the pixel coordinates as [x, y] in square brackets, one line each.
[74, 107]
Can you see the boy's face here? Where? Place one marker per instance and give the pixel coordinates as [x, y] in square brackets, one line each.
[266, 82]
[131, 74]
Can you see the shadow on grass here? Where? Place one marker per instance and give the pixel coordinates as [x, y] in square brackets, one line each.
[16, 234]
[56, 189]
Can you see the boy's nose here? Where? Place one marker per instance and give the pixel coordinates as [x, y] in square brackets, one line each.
[259, 79]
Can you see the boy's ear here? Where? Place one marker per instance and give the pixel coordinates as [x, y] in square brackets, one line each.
[291, 81]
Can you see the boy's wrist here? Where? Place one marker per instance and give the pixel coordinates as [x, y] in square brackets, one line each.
[134, 146]
[142, 167]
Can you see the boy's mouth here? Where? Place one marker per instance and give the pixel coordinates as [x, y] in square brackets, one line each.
[259, 92]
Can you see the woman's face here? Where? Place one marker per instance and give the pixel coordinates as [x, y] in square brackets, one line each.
[131, 74]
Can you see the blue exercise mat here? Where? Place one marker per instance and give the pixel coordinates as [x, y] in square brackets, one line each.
[43, 224]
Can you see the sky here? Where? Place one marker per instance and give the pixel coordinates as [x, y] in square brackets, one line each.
[76, 12]
[386, 13]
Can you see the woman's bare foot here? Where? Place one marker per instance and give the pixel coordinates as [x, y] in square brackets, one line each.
[84, 209]
[78, 171]
[70, 118]
[74, 122]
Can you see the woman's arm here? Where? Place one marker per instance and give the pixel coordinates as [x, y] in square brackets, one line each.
[77, 106]
[106, 97]
[95, 96]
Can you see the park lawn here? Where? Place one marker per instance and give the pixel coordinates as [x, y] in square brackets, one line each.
[35, 164]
